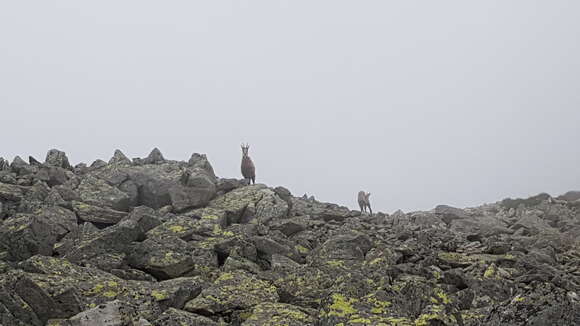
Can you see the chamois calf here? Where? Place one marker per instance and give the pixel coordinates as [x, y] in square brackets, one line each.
[364, 202]
[248, 168]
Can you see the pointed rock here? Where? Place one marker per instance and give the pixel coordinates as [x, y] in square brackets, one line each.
[57, 158]
[81, 168]
[98, 164]
[201, 161]
[19, 166]
[154, 157]
[119, 158]
[4, 164]
[33, 161]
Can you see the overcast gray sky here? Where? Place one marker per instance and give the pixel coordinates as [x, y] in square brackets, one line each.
[419, 102]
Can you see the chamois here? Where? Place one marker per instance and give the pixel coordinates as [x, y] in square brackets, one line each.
[248, 168]
[364, 202]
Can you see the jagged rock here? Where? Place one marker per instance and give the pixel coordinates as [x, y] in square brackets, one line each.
[268, 247]
[97, 164]
[255, 202]
[57, 158]
[96, 192]
[154, 157]
[230, 291]
[53, 176]
[257, 255]
[200, 161]
[227, 185]
[448, 213]
[33, 161]
[290, 226]
[274, 314]
[114, 239]
[175, 317]
[176, 292]
[154, 182]
[26, 235]
[7, 177]
[4, 165]
[570, 196]
[113, 313]
[20, 167]
[81, 168]
[323, 211]
[10, 192]
[342, 248]
[233, 264]
[96, 214]
[120, 158]
[165, 259]
[192, 192]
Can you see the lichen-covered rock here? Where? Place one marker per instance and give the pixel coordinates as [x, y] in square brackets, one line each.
[26, 235]
[176, 317]
[97, 192]
[113, 313]
[97, 214]
[10, 192]
[115, 239]
[251, 203]
[163, 258]
[193, 191]
[53, 176]
[143, 232]
[274, 314]
[57, 158]
[176, 292]
[119, 158]
[200, 161]
[232, 291]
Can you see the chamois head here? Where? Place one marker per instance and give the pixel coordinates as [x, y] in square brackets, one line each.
[245, 149]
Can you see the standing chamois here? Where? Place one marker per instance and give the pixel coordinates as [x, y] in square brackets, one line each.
[364, 202]
[248, 168]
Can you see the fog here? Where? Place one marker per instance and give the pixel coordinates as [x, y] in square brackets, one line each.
[418, 102]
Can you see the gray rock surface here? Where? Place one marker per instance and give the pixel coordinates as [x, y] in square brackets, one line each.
[159, 242]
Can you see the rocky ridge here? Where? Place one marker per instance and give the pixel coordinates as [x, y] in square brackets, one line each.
[158, 242]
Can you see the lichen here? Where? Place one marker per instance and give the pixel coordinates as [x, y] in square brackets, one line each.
[177, 228]
[159, 295]
[341, 306]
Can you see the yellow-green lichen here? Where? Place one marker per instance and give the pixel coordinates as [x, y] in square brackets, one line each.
[335, 263]
[159, 295]
[177, 228]
[341, 306]
[301, 249]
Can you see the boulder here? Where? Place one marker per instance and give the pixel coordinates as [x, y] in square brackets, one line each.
[57, 158]
[176, 317]
[163, 258]
[113, 313]
[274, 314]
[232, 291]
[155, 157]
[26, 235]
[119, 158]
[97, 192]
[193, 191]
[97, 214]
[200, 161]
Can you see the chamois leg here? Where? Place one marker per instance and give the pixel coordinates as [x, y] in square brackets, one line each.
[370, 210]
